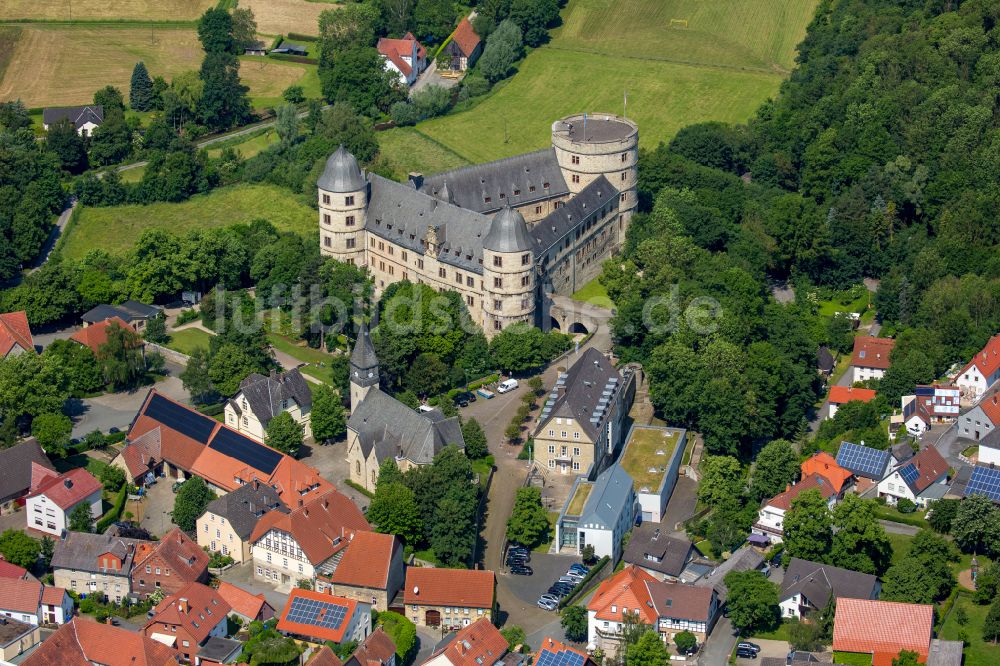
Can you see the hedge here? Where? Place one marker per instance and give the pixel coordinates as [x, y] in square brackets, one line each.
[115, 513]
[582, 585]
[302, 38]
[488, 379]
[293, 58]
[361, 489]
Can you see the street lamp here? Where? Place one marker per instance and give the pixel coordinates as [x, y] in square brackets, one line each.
[975, 570]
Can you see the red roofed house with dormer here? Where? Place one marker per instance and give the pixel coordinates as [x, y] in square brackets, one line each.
[168, 564]
[53, 497]
[982, 371]
[15, 335]
[870, 359]
[406, 56]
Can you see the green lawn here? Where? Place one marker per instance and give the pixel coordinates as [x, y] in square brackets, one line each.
[298, 351]
[852, 658]
[115, 229]
[900, 545]
[977, 651]
[133, 175]
[579, 499]
[188, 340]
[779, 634]
[594, 292]
[249, 147]
[641, 456]
[407, 149]
[705, 548]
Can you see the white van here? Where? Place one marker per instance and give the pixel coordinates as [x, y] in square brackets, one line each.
[508, 385]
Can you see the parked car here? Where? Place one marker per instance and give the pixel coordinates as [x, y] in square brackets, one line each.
[561, 590]
[464, 398]
[546, 604]
[521, 570]
[568, 580]
[484, 393]
[507, 385]
[550, 597]
[579, 567]
[746, 653]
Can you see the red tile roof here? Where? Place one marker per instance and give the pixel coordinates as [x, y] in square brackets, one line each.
[242, 602]
[178, 449]
[882, 628]
[143, 453]
[991, 407]
[872, 352]
[321, 527]
[826, 466]
[65, 490]
[324, 657]
[177, 550]
[930, 467]
[986, 361]
[95, 335]
[396, 49]
[466, 38]
[23, 596]
[811, 482]
[81, 642]
[367, 561]
[635, 589]
[553, 646]
[840, 395]
[464, 588]
[53, 596]
[8, 570]
[195, 607]
[314, 630]
[475, 645]
[377, 649]
[14, 330]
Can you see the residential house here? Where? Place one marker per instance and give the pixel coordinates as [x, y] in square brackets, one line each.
[96, 335]
[870, 359]
[929, 405]
[16, 462]
[370, 570]
[27, 600]
[982, 371]
[262, 398]
[652, 549]
[382, 428]
[608, 511]
[85, 119]
[825, 466]
[406, 57]
[53, 497]
[652, 458]
[95, 564]
[320, 617]
[449, 597]
[16, 638]
[667, 607]
[135, 314]
[809, 586]
[982, 419]
[478, 644]
[771, 516]
[249, 607]
[168, 564]
[868, 465]
[744, 559]
[376, 650]
[462, 50]
[8, 570]
[841, 395]
[989, 449]
[582, 423]
[15, 334]
[977, 480]
[324, 656]
[825, 363]
[921, 479]
[82, 642]
[186, 619]
[288, 547]
[228, 521]
[552, 651]
[882, 629]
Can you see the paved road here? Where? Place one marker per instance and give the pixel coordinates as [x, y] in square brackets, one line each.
[54, 235]
[720, 644]
[116, 410]
[893, 527]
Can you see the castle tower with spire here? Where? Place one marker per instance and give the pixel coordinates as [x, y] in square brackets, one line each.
[364, 368]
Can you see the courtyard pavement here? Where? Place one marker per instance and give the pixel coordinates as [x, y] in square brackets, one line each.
[158, 506]
[241, 575]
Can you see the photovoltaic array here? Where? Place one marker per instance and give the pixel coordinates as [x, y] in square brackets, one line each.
[244, 449]
[316, 613]
[185, 421]
[561, 658]
[984, 481]
[910, 473]
[862, 460]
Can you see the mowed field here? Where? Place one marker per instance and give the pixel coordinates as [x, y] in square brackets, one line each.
[92, 10]
[117, 228]
[280, 17]
[732, 56]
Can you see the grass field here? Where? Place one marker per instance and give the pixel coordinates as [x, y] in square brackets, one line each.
[9, 36]
[251, 146]
[280, 17]
[268, 78]
[732, 56]
[977, 651]
[188, 340]
[408, 149]
[116, 229]
[594, 292]
[90, 10]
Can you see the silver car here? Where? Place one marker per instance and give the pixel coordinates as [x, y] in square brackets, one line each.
[547, 604]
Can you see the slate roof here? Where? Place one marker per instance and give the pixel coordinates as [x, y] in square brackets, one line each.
[363, 356]
[14, 329]
[871, 352]
[341, 173]
[265, 394]
[464, 588]
[586, 205]
[508, 232]
[128, 311]
[882, 628]
[16, 465]
[816, 582]
[82, 642]
[650, 539]
[395, 430]
[246, 505]
[584, 383]
[744, 559]
[81, 551]
[824, 359]
[78, 115]
[526, 174]
[611, 495]
[901, 452]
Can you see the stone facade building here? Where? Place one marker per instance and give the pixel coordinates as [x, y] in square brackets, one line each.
[501, 234]
[95, 564]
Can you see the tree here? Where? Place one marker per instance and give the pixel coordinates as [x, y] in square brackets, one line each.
[223, 101]
[244, 29]
[942, 514]
[860, 542]
[475, 440]
[721, 480]
[112, 141]
[574, 623]
[358, 77]
[403, 634]
[347, 27]
[503, 48]
[327, 416]
[81, 519]
[31, 385]
[284, 434]
[976, 527]
[63, 140]
[649, 650]
[140, 96]
[516, 638]
[52, 432]
[808, 527]
[195, 377]
[434, 19]
[121, 357]
[190, 502]
[453, 533]
[906, 658]
[228, 366]
[776, 466]
[215, 31]
[394, 510]
[991, 625]
[534, 18]
[588, 555]
[752, 601]
[686, 642]
[19, 548]
[112, 478]
[917, 580]
[47, 547]
[528, 523]
[156, 330]
[110, 98]
[294, 94]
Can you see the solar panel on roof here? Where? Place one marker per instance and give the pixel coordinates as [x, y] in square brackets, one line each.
[324, 614]
[984, 481]
[910, 473]
[244, 449]
[862, 460]
[561, 658]
[185, 421]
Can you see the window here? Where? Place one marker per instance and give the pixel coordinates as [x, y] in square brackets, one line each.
[149, 569]
[517, 192]
[391, 250]
[351, 243]
[496, 325]
[403, 254]
[525, 303]
[525, 280]
[326, 218]
[576, 466]
[576, 178]
[470, 301]
[497, 304]
[624, 157]
[487, 199]
[622, 196]
[503, 196]
[381, 246]
[498, 282]
[458, 277]
[525, 258]
[217, 534]
[576, 435]
[326, 198]
[349, 201]
[552, 433]
[624, 176]
[552, 463]
[349, 220]
[545, 185]
[576, 450]
[575, 159]
[563, 433]
[552, 449]
[531, 188]
[420, 264]
[327, 242]
[442, 273]
[538, 210]
[498, 261]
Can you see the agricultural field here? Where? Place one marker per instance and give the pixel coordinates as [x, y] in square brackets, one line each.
[268, 78]
[97, 10]
[9, 35]
[280, 17]
[407, 149]
[732, 56]
[116, 229]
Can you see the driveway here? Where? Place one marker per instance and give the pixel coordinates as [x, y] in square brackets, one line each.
[331, 461]
[768, 648]
[681, 506]
[431, 77]
[157, 507]
[116, 410]
[241, 576]
[719, 645]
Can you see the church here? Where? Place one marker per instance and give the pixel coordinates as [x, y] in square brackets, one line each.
[502, 234]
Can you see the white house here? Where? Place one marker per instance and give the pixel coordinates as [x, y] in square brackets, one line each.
[84, 118]
[771, 517]
[652, 456]
[406, 57]
[808, 586]
[982, 371]
[53, 497]
[929, 405]
[608, 513]
[981, 420]
[921, 479]
[27, 600]
[870, 359]
[262, 398]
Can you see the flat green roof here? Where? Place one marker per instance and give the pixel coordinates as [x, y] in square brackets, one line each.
[647, 455]
[579, 499]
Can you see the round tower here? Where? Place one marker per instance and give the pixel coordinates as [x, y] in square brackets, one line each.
[343, 202]
[594, 144]
[508, 273]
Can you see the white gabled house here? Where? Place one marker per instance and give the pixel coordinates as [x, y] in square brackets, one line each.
[771, 517]
[53, 497]
[982, 371]
[921, 479]
[262, 398]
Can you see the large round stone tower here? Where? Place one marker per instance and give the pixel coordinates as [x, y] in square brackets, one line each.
[508, 273]
[595, 144]
[343, 201]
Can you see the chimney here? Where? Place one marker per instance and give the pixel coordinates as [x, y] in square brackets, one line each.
[300, 502]
[69, 482]
[182, 605]
[326, 503]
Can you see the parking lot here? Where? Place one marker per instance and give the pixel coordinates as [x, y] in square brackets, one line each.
[547, 570]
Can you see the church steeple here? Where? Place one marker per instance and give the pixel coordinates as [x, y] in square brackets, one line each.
[364, 367]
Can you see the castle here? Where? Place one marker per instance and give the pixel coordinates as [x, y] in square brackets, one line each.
[502, 234]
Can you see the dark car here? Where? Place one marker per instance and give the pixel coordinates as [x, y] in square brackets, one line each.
[464, 398]
[521, 571]
[557, 591]
[560, 587]
[746, 653]
[518, 549]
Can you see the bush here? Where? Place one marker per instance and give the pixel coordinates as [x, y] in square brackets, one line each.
[187, 316]
[906, 506]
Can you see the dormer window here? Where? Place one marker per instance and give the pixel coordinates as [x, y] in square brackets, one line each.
[487, 199]
[517, 192]
[503, 196]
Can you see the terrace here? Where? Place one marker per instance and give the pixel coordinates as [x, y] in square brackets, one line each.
[579, 499]
[648, 454]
